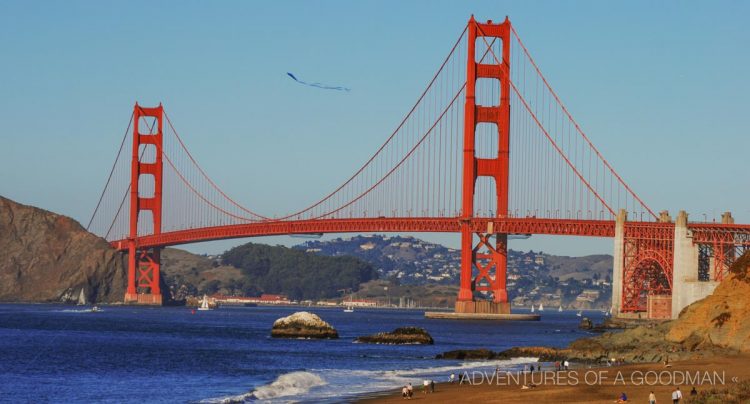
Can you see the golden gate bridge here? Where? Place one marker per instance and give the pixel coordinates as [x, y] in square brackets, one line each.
[487, 150]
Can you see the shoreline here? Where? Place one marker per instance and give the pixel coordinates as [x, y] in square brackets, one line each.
[586, 383]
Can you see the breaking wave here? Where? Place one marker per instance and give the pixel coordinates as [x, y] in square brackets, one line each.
[286, 385]
[290, 384]
[298, 386]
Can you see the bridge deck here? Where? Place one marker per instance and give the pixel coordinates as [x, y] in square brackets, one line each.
[592, 228]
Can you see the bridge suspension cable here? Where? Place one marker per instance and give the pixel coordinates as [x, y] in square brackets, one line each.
[555, 170]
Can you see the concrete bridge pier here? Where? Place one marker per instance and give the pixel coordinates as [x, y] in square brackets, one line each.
[686, 287]
[619, 262]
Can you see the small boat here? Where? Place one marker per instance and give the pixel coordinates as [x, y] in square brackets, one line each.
[541, 307]
[204, 304]
[349, 309]
[579, 313]
[96, 309]
[559, 309]
[532, 308]
[82, 298]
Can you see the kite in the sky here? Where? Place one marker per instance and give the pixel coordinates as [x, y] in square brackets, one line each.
[318, 85]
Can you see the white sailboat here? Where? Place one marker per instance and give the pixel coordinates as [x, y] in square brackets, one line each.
[204, 304]
[82, 298]
[350, 306]
[579, 313]
[532, 308]
[559, 309]
[541, 307]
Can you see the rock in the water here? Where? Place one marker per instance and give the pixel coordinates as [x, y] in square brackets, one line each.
[402, 335]
[303, 324]
[586, 324]
[468, 354]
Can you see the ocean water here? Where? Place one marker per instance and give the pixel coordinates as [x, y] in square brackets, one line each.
[56, 353]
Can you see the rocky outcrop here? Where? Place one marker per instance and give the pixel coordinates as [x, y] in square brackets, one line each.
[720, 319]
[471, 354]
[402, 335]
[46, 257]
[303, 324]
[586, 324]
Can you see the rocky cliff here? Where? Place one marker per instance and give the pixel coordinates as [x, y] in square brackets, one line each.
[46, 257]
[721, 318]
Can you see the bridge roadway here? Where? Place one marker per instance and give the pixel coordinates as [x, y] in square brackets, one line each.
[562, 227]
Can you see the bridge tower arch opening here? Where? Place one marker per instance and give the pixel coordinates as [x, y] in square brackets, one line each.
[645, 279]
[145, 204]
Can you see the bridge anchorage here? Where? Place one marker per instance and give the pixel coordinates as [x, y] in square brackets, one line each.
[487, 151]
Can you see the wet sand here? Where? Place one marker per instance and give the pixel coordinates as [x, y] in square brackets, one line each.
[584, 384]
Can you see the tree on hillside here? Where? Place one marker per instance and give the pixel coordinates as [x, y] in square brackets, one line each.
[298, 274]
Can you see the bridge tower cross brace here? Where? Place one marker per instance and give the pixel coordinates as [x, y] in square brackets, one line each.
[144, 264]
[492, 264]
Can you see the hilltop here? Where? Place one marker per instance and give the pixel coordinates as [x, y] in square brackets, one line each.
[252, 269]
[533, 277]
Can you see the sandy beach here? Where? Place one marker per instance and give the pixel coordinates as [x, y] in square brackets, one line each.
[588, 385]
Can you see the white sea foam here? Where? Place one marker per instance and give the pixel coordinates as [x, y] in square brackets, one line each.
[367, 381]
[75, 311]
[502, 364]
[285, 386]
[298, 386]
[290, 384]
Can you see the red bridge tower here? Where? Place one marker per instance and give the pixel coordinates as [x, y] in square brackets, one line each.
[488, 256]
[145, 262]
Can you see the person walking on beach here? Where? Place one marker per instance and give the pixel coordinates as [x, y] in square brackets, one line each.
[411, 389]
[676, 396]
[432, 386]
[652, 398]
[405, 392]
[452, 378]
[425, 385]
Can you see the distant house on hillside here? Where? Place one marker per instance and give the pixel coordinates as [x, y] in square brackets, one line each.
[368, 246]
[588, 295]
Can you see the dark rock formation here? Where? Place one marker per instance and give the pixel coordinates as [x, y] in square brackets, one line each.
[303, 325]
[586, 324]
[475, 354]
[45, 257]
[402, 335]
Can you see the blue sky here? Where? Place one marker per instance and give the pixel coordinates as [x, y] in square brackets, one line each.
[660, 87]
